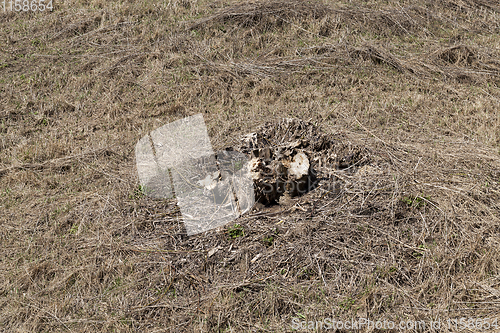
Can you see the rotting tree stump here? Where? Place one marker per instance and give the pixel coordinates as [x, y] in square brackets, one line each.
[288, 158]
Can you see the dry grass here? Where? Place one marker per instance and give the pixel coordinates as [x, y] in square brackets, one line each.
[414, 234]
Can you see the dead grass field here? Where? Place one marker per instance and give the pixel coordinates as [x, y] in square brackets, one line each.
[416, 237]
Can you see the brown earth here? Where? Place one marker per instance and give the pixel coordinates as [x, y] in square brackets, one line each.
[412, 234]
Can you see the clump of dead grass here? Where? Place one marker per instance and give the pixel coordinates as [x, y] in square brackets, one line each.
[265, 16]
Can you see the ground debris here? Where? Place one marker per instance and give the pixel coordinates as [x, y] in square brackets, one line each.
[289, 158]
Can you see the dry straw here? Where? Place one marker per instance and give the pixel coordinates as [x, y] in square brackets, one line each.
[410, 230]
